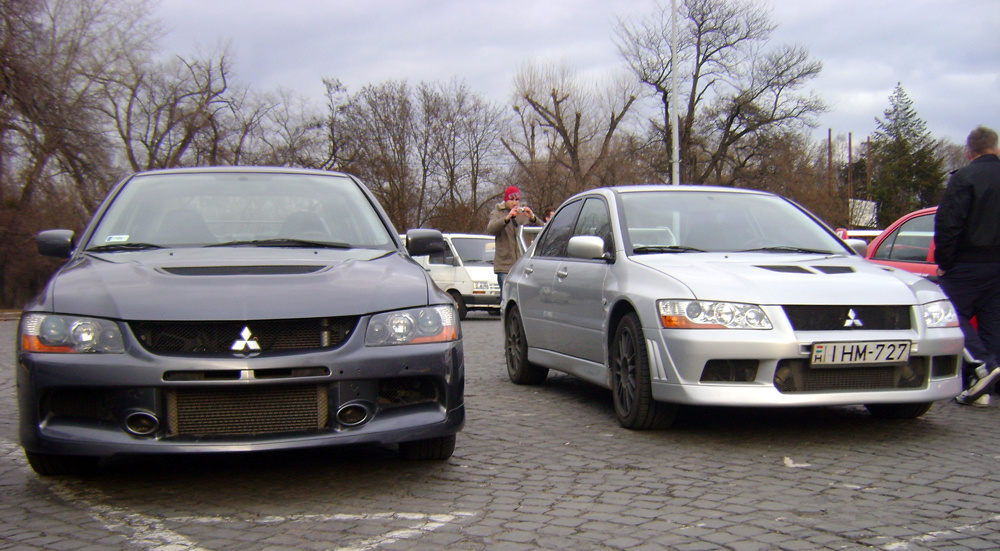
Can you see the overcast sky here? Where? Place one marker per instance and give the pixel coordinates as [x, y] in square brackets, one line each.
[945, 53]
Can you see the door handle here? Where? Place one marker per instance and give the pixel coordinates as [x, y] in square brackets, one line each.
[528, 269]
[562, 273]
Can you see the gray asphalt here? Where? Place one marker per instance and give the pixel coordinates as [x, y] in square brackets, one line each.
[542, 467]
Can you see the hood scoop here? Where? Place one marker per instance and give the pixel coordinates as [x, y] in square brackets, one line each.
[786, 269]
[242, 270]
[834, 269]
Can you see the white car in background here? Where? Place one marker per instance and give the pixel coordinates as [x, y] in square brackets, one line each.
[465, 271]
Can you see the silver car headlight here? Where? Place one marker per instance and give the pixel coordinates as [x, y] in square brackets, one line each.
[62, 334]
[939, 314]
[700, 314]
[414, 326]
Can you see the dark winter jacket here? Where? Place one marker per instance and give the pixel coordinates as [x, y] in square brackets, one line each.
[967, 224]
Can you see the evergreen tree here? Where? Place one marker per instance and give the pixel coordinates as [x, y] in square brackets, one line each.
[907, 168]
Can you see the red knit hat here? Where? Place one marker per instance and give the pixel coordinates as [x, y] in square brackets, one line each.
[512, 190]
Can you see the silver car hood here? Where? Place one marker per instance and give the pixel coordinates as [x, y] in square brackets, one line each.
[773, 278]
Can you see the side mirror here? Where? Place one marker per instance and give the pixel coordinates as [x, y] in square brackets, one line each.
[588, 247]
[57, 243]
[860, 246]
[420, 242]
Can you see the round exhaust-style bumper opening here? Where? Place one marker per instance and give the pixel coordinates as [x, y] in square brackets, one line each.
[141, 423]
[353, 414]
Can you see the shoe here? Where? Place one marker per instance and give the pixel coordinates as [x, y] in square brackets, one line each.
[982, 385]
[981, 402]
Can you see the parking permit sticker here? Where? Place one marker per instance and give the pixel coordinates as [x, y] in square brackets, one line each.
[116, 239]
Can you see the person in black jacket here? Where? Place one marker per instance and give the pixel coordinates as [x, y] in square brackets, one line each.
[967, 241]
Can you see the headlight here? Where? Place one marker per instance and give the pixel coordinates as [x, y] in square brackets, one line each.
[480, 286]
[940, 314]
[696, 314]
[64, 334]
[413, 326]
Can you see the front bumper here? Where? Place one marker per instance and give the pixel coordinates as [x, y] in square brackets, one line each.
[772, 368]
[88, 404]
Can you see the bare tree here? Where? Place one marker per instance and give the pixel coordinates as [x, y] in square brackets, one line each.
[582, 121]
[732, 88]
[159, 109]
[56, 162]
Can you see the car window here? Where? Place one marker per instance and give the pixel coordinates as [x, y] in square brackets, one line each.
[558, 231]
[197, 209]
[475, 251]
[910, 242]
[721, 222]
[595, 220]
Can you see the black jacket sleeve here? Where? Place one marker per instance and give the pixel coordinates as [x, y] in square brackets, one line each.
[950, 220]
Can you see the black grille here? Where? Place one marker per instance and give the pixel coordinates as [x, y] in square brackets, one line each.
[246, 411]
[218, 337]
[730, 371]
[797, 376]
[406, 391]
[839, 318]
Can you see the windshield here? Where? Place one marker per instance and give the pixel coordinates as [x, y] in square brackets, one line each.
[703, 221]
[241, 209]
[475, 250]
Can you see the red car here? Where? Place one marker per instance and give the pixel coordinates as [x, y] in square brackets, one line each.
[908, 244]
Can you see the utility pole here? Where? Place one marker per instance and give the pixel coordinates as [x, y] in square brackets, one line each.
[829, 161]
[850, 180]
[674, 130]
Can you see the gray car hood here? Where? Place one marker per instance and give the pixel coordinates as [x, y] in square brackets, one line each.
[237, 283]
[773, 278]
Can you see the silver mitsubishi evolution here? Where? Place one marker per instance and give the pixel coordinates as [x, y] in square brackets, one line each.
[673, 295]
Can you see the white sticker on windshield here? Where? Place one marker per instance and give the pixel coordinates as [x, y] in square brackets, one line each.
[116, 239]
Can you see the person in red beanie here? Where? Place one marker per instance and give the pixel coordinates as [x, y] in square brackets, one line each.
[504, 220]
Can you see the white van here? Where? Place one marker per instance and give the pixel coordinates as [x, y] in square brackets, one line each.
[465, 271]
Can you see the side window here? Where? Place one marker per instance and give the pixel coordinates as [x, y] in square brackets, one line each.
[911, 242]
[595, 220]
[558, 231]
[443, 257]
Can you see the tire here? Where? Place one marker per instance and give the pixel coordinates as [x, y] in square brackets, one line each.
[631, 388]
[55, 465]
[899, 411]
[515, 347]
[432, 449]
[463, 311]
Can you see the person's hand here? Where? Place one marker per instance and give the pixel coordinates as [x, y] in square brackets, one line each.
[940, 272]
[527, 210]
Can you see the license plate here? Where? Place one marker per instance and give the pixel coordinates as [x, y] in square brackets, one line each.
[851, 353]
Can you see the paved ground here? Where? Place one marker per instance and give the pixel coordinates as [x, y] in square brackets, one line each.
[543, 468]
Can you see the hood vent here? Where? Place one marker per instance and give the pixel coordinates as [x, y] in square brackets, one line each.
[787, 269]
[834, 269]
[242, 270]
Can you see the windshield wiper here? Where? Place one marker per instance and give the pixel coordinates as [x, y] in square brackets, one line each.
[787, 249]
[283, 242]
[120, 247]
[647, 249]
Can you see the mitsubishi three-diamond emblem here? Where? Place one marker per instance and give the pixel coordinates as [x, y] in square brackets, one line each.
[246, 345]
[851, 321]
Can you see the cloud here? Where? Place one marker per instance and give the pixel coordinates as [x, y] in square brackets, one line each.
[943, 54]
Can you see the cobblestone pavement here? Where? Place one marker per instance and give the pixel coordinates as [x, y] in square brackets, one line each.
[542, 468]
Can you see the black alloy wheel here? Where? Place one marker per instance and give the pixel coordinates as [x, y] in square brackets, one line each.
[515, 346]
[631, 387]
